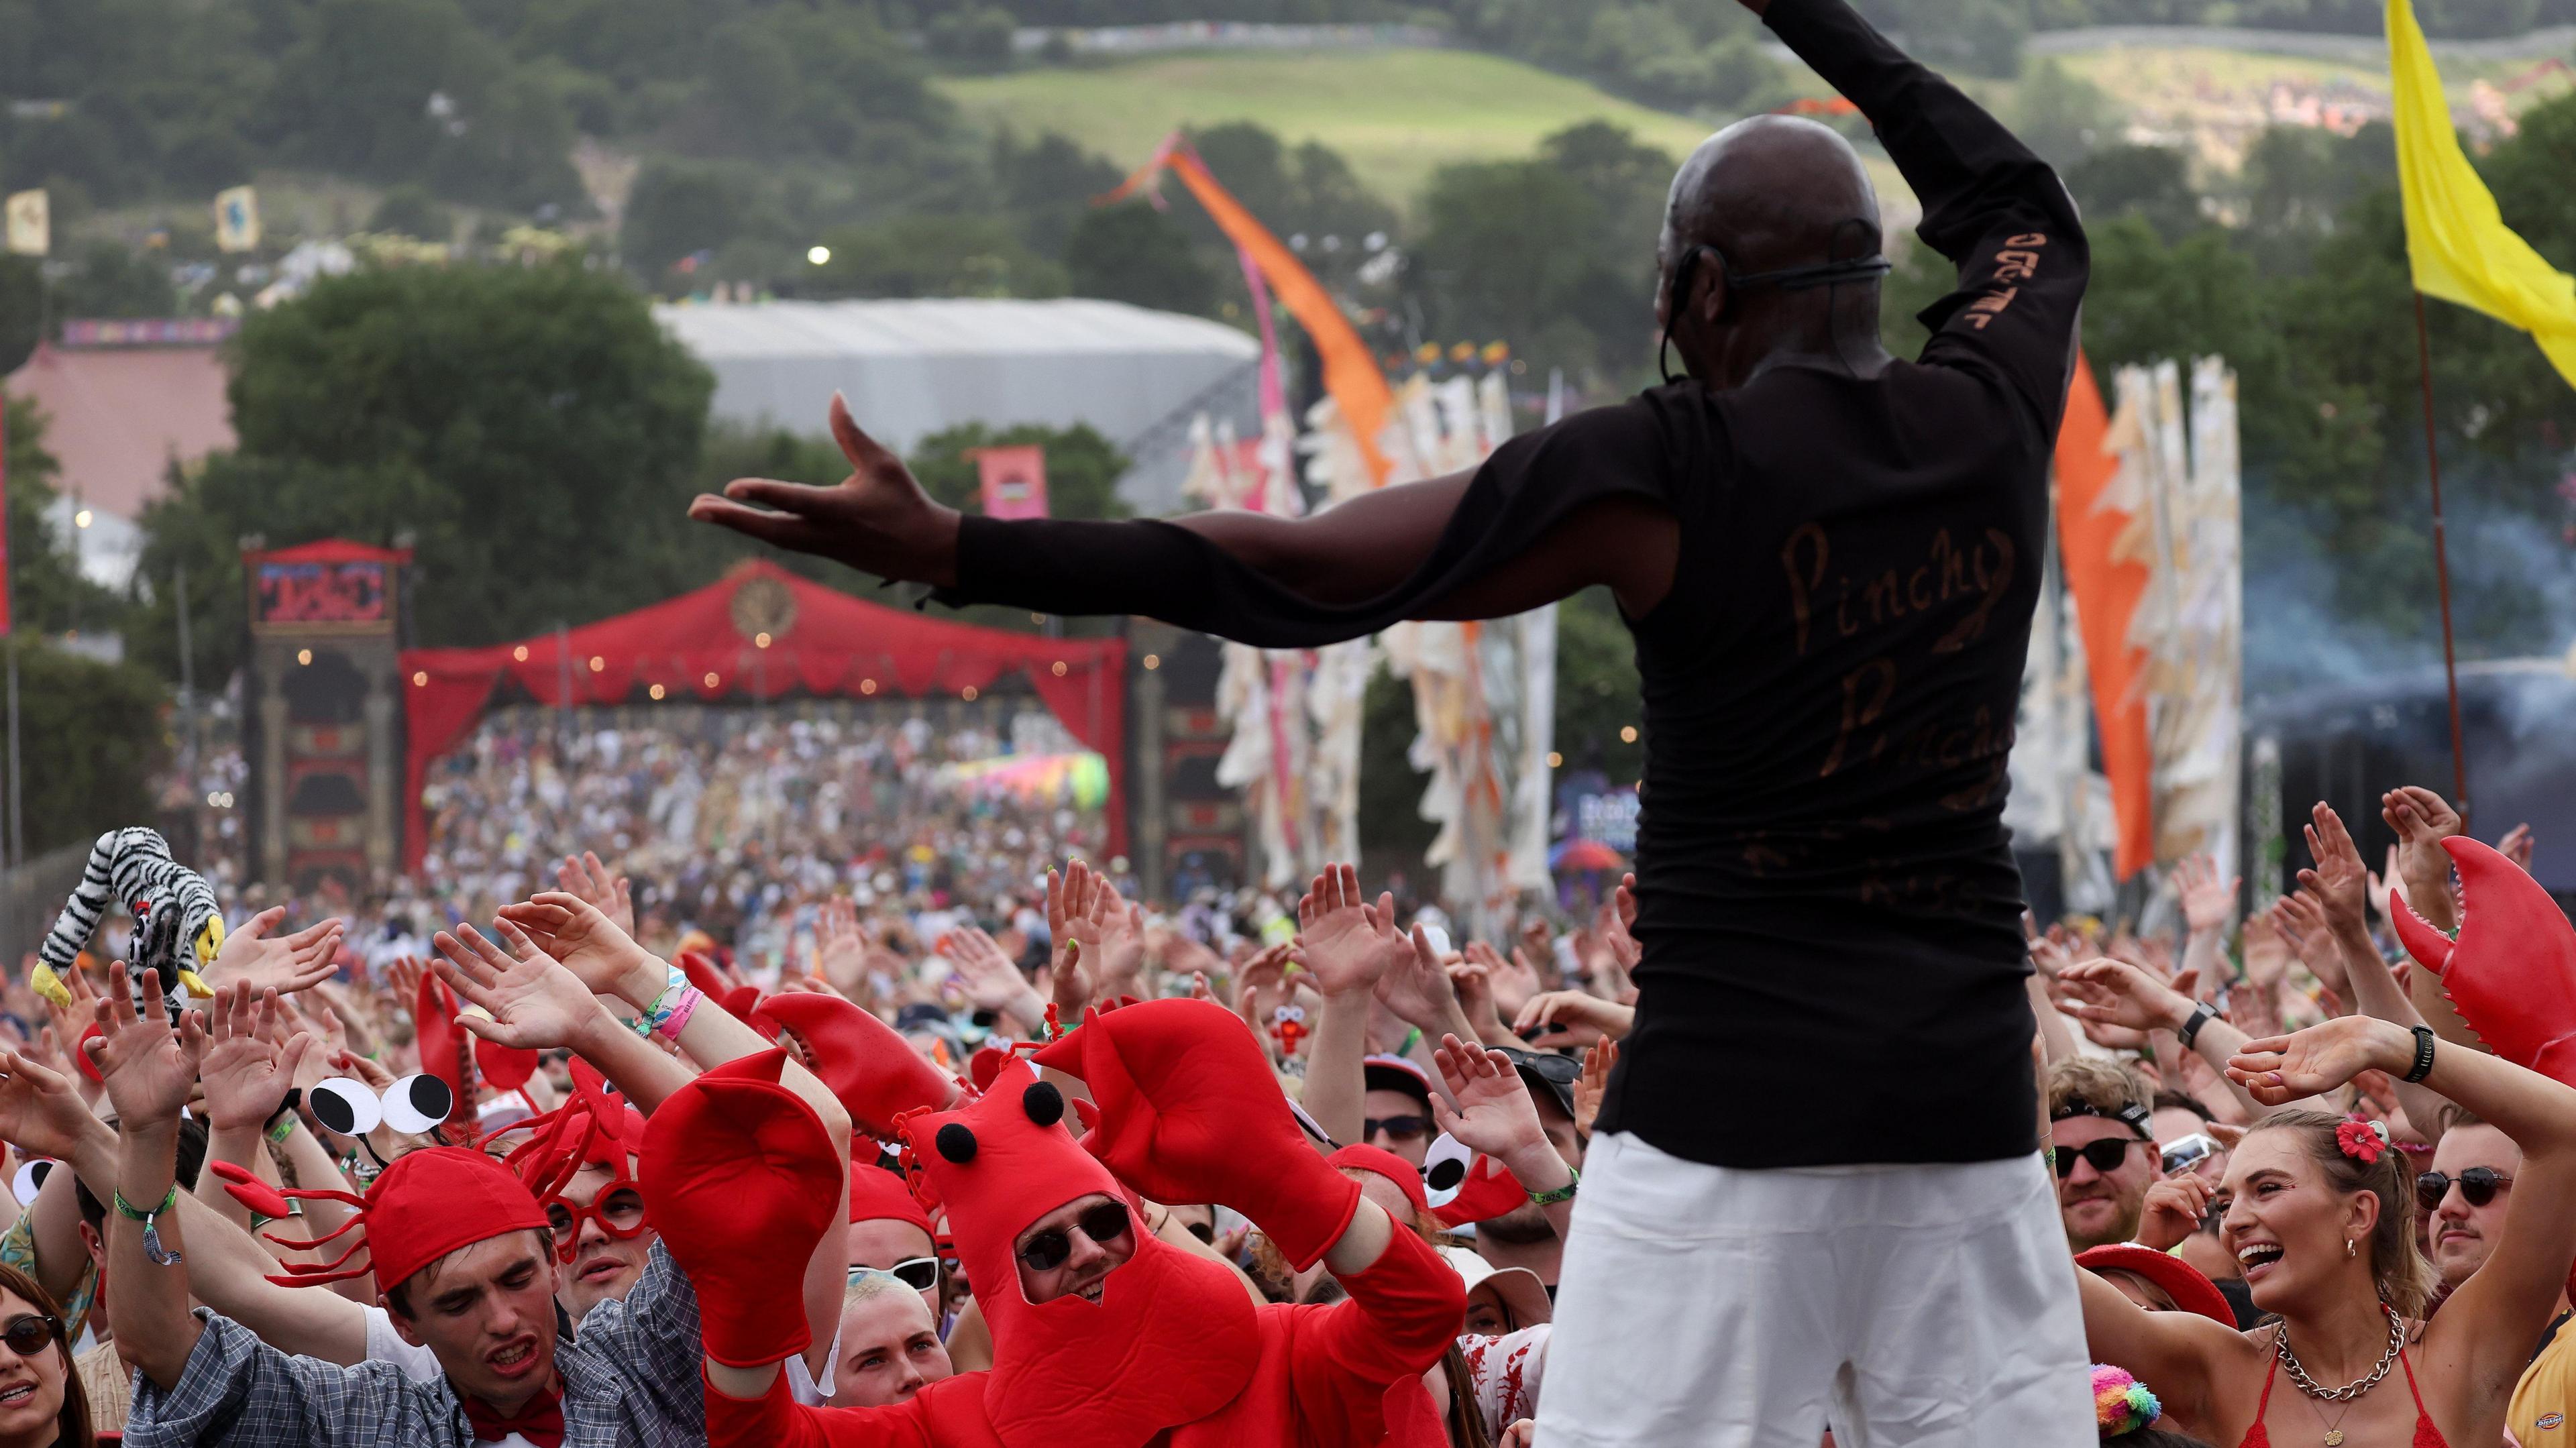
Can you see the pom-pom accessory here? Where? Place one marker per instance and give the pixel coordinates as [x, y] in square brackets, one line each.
[2121, 1404]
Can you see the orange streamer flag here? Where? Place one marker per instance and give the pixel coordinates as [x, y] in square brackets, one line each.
[2107, 590]
[1351, 374]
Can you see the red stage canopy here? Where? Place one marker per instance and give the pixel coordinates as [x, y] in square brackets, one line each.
[760, 633]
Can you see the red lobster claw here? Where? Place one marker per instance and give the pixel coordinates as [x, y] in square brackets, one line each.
[2512, 971]
[876, 1074]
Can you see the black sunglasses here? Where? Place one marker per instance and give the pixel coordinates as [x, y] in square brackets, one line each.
[1548, 1066]
[2106, 1155]
[1048, 1249]
[2478, 1184]
[1397, 1128]
[28, 1334]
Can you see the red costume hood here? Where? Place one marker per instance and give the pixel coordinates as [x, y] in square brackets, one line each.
[1173, 1338]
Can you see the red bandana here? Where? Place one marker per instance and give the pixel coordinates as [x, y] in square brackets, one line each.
[540, 1422]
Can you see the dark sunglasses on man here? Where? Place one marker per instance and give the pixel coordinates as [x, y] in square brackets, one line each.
[1397, 1128]
[2478, 1184]
[2106, 1154]
[28, 1334]
[1048, 1250]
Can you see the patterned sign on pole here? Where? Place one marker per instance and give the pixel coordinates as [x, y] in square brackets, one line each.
[31, 228]
[237, 219]
[1014, 481]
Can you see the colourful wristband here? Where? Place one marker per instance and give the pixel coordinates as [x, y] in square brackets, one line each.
[678, 1020]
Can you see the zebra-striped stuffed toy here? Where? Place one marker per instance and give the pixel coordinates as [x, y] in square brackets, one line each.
[177, 928]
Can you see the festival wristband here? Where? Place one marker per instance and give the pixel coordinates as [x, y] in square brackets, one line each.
[2423, 1066]
[1565, 1193]
[281, 1124]
[2201, 1015]
[678, 1020]
[151, 1229]
[1412, 1038]
[664, 1004]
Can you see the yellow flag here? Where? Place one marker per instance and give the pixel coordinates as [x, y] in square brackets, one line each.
[2457, 242]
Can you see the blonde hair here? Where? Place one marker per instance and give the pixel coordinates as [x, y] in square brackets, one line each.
[2405, 1279]
[2105, 1086]
[873, 1284]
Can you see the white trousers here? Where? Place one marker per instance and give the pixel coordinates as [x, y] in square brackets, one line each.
[1904, 1306]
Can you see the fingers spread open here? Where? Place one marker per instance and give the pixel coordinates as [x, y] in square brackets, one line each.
[865, 453]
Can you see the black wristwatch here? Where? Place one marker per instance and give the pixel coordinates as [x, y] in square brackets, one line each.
[2423, 1066]
[2189, 1031]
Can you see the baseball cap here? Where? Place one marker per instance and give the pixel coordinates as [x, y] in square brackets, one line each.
[1549, 1076]
[1395, 1073]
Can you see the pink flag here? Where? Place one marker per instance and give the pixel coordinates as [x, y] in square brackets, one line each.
[1014, 481]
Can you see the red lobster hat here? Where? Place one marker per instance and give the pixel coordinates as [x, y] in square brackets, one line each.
[1173, 1337]
[879, 1195]
[427, 1204]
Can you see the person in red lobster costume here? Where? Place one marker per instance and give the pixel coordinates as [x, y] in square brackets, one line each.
[1103, 1336]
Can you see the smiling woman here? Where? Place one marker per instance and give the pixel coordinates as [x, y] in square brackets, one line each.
[41, 1402]
[2321, 1217]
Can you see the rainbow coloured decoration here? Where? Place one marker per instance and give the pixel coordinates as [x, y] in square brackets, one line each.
[2121, 1404]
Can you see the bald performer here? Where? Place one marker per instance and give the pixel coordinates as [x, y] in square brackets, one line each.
[1815, 1191]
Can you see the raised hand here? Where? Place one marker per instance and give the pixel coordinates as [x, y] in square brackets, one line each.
[147, 1066]
[1074, 935]
[579, 935]
[2301, 918]
[1261, 988]
[2174, 1209]
[1574, 1008]
[40, 1110]
[2516, 846]
[2339, 878]
[1494, 1114]
[877, 520]
[245, 1072]
[1344, 941]
[1122, 939]
[1418, 988]
[2422, 820]
[1598, 1059]
[992, 982]
[842, 947]
[285, 963]
[2208, 902]
[584, 876]
[536, 1002]
[2116, 993]
[2278, 1070]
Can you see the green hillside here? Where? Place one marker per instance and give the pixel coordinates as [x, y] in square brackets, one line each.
[1398, 115]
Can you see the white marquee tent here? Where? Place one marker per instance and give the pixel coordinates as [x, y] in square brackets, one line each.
[912, 368]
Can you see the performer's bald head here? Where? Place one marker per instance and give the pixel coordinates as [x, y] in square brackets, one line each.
[1771, 192]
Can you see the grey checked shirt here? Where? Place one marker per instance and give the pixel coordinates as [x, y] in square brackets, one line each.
[630, 1380]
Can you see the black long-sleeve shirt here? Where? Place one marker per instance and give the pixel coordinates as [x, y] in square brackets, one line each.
[1829, 910]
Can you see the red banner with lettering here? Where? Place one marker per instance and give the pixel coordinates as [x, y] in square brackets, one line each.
[1014, 481]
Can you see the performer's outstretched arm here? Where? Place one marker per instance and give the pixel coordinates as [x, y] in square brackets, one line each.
[1416, 550]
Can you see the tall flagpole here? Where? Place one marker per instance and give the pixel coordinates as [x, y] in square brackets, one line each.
[2442, 567]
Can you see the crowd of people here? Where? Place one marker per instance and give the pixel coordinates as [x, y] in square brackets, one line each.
[1308, 1191]
[726, 1083]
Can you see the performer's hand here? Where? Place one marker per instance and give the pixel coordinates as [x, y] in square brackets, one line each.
[877, 520]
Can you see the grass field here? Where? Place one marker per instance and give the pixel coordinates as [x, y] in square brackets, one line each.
[1398, 115]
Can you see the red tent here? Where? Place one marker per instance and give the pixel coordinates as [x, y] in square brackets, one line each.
[759, 633]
